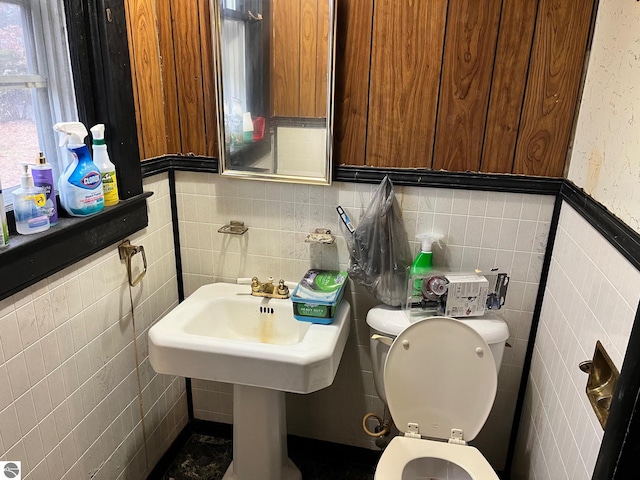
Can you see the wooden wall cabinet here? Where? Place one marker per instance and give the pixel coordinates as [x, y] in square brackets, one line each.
[458, 85]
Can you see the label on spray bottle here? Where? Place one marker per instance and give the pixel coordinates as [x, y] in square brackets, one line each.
[110, 188]
[84, 194]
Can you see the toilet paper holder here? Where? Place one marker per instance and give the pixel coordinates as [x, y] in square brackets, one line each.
[601, 383]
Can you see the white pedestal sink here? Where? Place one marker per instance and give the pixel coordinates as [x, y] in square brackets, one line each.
[223, 333]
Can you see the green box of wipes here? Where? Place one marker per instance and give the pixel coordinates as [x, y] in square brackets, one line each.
[317, 296]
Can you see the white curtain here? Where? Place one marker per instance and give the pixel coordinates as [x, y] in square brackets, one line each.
[233, 64]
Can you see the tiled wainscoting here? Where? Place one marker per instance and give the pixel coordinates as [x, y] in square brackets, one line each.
[481, 230]
[591, 294]
[79, 399]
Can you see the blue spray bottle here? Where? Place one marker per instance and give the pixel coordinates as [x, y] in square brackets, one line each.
[80, 185]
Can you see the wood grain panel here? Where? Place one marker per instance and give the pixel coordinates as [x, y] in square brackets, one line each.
[208, 80]
[507, 88]
[322, 59]
[308, 53]
[285, 72]
[405, 70]
[552, 88]
[186, 41]
[472, 29]
[147, 81]
[353, 52]
[168, 66]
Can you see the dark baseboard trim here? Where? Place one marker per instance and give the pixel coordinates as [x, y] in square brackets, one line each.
[622, 237]
[170, 455]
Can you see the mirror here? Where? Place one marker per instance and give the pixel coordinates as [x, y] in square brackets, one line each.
[274, 88]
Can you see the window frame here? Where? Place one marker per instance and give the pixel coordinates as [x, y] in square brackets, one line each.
[99, 52]
[44, 80]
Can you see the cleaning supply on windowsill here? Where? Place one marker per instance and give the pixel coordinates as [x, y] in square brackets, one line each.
[107, 169]
[29, 205]
[317, 296]
[4, 226]
[80, 185]
[43, 177]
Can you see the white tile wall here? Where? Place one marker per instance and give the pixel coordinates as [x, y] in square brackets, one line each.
[591, 295]
[74, 362]
[481, 229]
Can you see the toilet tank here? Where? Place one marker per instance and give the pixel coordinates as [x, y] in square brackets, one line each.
[389, 322]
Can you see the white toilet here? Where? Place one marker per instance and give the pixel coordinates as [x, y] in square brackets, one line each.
[439, 378]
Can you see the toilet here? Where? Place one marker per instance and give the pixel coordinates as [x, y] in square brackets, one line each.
[439, 379]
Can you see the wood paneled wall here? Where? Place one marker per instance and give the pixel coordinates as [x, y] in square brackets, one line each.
[171, 52]
[299, 53]
[460, 85]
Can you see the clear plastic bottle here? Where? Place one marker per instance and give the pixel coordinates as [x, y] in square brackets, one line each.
[29, 205]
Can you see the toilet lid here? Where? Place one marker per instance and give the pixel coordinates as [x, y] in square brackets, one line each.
[440, 374]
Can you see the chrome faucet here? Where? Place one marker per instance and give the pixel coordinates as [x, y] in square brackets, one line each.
[268, 289]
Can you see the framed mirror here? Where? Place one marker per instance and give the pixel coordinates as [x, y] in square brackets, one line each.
[274, 88]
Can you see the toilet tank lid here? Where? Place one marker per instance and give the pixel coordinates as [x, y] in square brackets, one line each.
[392, 320]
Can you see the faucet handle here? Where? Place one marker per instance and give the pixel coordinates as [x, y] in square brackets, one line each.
[282, 288]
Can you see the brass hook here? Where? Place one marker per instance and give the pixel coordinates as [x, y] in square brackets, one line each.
[126, 251]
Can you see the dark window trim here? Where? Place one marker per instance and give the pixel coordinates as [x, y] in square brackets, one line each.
[104, 94]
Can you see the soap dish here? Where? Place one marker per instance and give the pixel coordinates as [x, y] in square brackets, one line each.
[320, 235]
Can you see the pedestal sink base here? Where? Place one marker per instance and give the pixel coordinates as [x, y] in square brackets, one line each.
[260, 436]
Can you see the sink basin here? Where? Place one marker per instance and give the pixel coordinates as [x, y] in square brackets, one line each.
[223, 333]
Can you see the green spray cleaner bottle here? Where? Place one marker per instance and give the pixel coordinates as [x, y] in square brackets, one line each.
[423, 262]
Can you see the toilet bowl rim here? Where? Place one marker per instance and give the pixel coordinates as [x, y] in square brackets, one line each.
[403, 450]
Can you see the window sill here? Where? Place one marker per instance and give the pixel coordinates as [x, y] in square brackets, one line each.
[31, 258]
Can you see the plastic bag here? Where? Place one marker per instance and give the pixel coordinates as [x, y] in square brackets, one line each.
[379, 249]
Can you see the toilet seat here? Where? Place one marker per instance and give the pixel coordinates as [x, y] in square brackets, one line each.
[441, 381]
[440, 376]
[402, 450]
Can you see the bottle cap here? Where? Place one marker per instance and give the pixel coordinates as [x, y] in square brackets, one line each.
[41, 160]
[427, 240]
[26, 179]
[97, 132]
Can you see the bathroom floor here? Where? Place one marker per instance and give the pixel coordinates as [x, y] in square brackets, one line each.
[206, 457]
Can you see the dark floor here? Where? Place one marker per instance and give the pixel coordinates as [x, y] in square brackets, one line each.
[206, 457]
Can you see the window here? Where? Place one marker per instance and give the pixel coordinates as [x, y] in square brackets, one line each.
[98, 49]
[36, 86]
